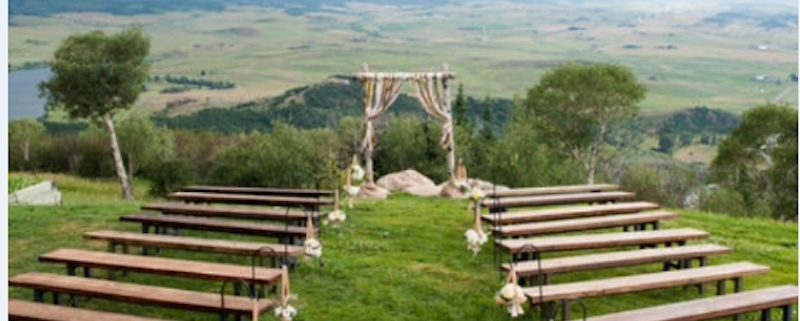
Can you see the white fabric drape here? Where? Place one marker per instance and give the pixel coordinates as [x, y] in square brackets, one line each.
[434, 96]
[379, 94]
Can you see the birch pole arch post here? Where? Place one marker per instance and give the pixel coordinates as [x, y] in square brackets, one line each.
[381, 89]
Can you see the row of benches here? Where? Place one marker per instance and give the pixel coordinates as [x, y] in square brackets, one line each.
[175, 217]
[519, 234]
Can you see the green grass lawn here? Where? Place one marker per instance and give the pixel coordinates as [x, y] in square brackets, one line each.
[400, 259]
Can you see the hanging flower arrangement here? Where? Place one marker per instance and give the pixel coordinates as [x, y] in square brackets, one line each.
[311, 246]
[476, 237]
[355, 175]
[511, 295]
[284, 311]
[337, 216]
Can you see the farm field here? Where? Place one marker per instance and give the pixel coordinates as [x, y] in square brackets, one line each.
[365, 277]
[496, 48]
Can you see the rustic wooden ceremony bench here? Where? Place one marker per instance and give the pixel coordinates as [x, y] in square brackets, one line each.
[502, 204]
[311, 203]
[563, 294]
[125, 239]
[258, 190]
[283, 233]
[639, 221]
[590, 262]
[600, 241]
[549, 190]
[567, 212]
[714, 308]
[255, 214]
[43, 283]
[19, 310]
[88, 260]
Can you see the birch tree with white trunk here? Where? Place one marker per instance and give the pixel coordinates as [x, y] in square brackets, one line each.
[95, 75]
[575, 105]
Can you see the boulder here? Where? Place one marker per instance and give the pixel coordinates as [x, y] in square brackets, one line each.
[423, 191]
[489, 186]
[44, 193]
[397, 182]
[450, 190]
[373, 191]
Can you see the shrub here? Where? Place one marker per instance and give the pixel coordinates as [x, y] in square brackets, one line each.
[724, 201]
[168, 176]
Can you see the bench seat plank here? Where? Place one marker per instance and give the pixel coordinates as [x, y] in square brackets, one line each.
[549, 190]
[568, 212]
[617, 259]
[598, 241]
[161, 266]
[582, 224]
[216, 225]
[229, 212]
[269, 200]
[257, 190]
[711, 308]
[558, 199]
[19, 310]
[194, 244]
[643, 282]
[139, 294]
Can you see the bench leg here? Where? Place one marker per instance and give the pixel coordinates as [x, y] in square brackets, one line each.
[788, 313]
[71, 270]
[721, 287]
[38, 295]
[656, 226]
[738, 286]
[56, 298]
[565, 311]
[766, 315]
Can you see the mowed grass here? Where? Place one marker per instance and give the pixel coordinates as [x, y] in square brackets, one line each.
[400, 259]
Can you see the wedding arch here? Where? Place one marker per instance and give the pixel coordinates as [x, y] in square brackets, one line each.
[381, 89]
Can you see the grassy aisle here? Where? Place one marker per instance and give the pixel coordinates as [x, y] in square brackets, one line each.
[401, 259]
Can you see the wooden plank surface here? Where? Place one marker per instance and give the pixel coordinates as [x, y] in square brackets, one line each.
[598, 241]
[643, 282]
[139, 294]
[195, 197]
[711, 308]
[265, 214]
[19, 310]
[568, 212]
[549, 190]
[581, 224]
[557, 199]
[162, 266]
[194, 244]
[258, 190]
[617, 259]
[208, 224]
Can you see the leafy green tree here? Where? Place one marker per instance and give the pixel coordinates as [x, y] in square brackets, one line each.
[460, 110]
[142, 143]
[487, 120]
[759, 159]
[23, 136]
[94, 76]
[576, 105]
[666, 143]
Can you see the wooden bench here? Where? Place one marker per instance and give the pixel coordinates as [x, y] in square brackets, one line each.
[258, 191]
[714, 308]
[284, 233]
[501, 204]
[256, 214]
[564, 293]
[31, 311]
[43, 283]
[599, 241]
[591, 262]
[125, 239]
[639, 221]
[88, 260]
[567, 212]
[549, 190]
[311, 203]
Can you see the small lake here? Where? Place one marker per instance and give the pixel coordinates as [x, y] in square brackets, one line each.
[23, 93]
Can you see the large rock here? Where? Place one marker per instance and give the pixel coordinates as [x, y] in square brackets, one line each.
[373, 191]
[398, 182]
[489, 186]
[450, 190]
[423, 191]
[44, 193]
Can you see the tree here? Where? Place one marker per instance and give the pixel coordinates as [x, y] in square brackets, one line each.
[22, 135]
[487, 120]
[576, 104]
[460, 110]
[759, 159]
[142, 142]
[94, 76]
